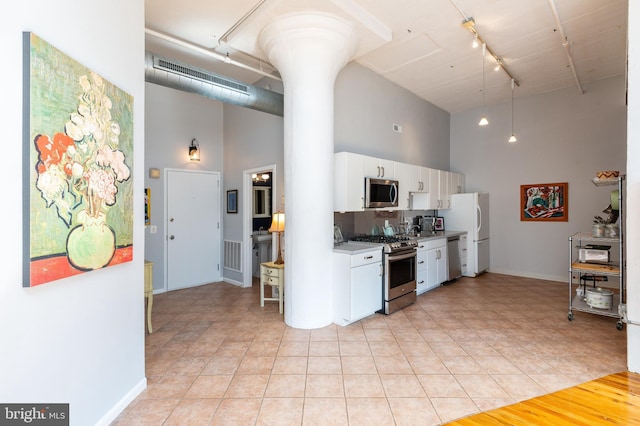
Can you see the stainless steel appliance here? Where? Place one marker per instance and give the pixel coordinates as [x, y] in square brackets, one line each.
[453, 258]
[470, 212]
[593, 254]
[380, 193]
[399, 274]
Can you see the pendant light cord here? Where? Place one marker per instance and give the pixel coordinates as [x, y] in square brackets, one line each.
[484, 54]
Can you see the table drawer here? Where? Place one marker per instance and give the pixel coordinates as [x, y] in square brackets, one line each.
[272, 272]
[267, 279]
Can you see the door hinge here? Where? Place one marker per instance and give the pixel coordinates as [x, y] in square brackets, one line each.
[218, 267]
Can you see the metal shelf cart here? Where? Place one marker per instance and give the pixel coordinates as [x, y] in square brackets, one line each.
[600, 271]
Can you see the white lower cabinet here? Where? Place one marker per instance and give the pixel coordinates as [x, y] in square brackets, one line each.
[462, 247]
[421, 262]
[357, 285]
[435, 265]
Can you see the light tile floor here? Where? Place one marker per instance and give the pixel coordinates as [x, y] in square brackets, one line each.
[217, 358]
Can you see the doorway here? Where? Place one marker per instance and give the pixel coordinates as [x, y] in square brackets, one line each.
[193, 228]
[259, 205]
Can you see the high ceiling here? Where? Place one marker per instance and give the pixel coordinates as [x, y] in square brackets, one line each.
[421, 45]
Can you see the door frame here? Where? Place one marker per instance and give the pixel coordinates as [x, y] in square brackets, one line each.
[247, 215]
[166, 218]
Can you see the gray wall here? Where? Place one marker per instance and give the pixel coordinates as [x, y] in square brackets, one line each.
[252, 139]
[172, 119]
[367, 106]
[562, 137]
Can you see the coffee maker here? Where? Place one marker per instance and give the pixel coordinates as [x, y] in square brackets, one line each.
[427, 224]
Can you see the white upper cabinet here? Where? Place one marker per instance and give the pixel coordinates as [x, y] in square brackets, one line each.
[456, 183]
[419, 188]
[438, 189]
[348, 184]
[379, 168]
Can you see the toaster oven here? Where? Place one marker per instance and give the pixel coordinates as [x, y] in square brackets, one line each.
[593, 254]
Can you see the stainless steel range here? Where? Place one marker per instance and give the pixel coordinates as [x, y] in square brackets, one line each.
[399, 278]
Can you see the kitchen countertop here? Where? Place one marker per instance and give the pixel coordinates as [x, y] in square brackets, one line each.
[440, 234]
[354, 248]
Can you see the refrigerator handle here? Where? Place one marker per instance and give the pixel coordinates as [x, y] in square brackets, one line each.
[479, 214]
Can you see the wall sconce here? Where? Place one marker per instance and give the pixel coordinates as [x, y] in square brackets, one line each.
[194, 150]
[277, 225]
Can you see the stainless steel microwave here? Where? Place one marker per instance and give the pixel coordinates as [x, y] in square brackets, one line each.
[380, 193]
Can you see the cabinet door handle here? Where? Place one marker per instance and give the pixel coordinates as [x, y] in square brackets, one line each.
[421, 262]
[368, 257]
[382, 171]
[379, 171]
[421, 282]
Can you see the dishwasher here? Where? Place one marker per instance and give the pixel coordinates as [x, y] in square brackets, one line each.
[453, 255]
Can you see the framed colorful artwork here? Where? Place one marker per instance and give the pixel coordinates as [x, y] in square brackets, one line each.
[77, 162]
[232, 201]
[147, 206]
[544, 202]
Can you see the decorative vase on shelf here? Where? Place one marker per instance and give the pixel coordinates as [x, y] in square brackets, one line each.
[91, 245]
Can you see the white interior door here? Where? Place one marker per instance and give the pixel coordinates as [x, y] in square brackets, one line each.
[193, 228]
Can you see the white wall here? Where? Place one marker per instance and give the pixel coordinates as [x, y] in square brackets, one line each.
[633, 192]
[562, 137]
[172, 119]
[78, 340]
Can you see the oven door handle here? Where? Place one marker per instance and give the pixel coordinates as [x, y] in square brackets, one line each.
[400, 256]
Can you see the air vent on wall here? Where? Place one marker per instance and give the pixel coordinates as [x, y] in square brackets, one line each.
[165, 65]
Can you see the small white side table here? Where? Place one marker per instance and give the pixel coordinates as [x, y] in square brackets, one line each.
[272, 275]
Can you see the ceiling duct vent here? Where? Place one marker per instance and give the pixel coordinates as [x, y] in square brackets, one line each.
[176, 75]
[166, 65]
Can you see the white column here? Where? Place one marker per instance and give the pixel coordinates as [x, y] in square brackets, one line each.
[308, 50]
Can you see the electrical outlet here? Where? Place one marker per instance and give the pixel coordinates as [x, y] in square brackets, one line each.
[153, 229]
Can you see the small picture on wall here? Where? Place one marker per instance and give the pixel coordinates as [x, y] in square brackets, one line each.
[232, 201]
[147, 206]
[544, 202]
[439, 226]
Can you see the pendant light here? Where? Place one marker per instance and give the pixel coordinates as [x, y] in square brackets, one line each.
[483, 120]
[513, 136]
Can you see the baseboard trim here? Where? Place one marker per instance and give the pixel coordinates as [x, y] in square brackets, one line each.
[536, 276]
[232, 282]
[115, 411]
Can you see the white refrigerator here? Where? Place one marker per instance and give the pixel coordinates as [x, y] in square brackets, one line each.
[470, 212]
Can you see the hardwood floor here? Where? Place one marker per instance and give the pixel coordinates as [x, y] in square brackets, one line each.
[610, 400]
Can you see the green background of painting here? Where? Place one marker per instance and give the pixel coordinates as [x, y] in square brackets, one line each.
[54, 95]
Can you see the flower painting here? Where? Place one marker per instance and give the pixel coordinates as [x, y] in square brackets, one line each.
[78, 154]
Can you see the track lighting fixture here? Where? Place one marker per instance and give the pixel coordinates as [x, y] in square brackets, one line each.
[470, 24]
